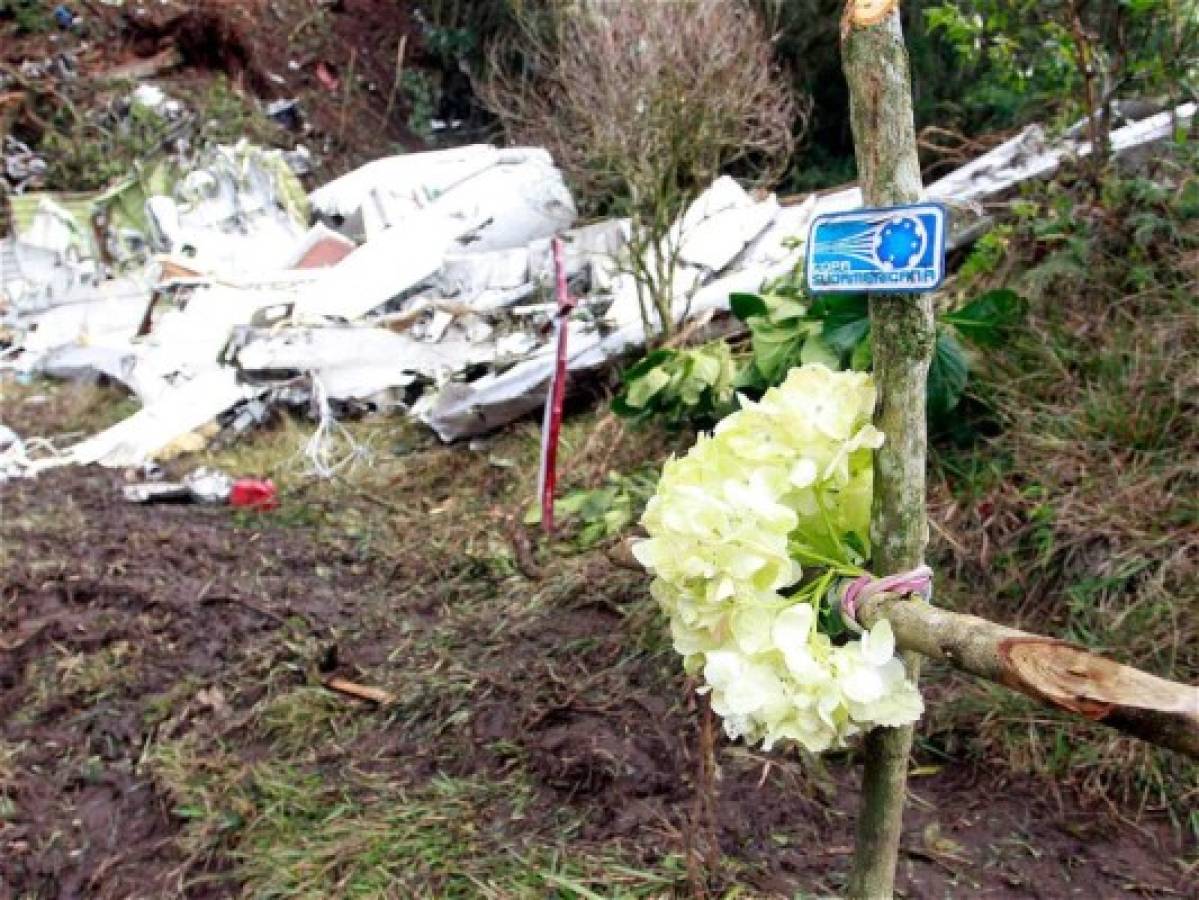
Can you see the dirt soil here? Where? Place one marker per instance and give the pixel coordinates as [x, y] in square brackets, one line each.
[127, 631]
[339, 60]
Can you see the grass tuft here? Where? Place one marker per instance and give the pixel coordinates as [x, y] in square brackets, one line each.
[1075, 516]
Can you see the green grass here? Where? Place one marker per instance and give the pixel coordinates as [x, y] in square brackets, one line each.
[304, 718]
[449, 839]
[294, 832]
[1074, 516]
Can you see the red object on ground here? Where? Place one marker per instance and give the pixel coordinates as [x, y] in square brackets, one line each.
[325, 75]
[254, 493]
[552, 423]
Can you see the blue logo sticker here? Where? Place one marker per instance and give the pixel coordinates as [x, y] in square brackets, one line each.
[897, 250]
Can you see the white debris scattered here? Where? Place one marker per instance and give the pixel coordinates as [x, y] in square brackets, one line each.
[381, 269]
[20, 167]
[165, 425]
[202, 485]
[16, 455]
[354, 362]
[240, 210]
[12, 454]
[423, 285]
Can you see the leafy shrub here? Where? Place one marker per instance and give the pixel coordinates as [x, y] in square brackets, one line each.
[834, 329]
[30, 17]
[787, 329]
[597, 514]
[680, 386]
[1031, 55]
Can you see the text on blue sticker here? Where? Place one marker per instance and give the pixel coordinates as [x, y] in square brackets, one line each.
[901, 249]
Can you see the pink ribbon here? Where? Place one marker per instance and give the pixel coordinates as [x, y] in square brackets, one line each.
[918, 581]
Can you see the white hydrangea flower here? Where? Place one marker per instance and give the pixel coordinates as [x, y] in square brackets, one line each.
[795, 467]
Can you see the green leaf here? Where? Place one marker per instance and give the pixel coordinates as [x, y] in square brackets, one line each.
[582, 501]
[844, 338]
[987, 319]
[625, 411]
[596, 514]
[642, 389]
[862, 359]
[777, 348]
[1188, 200]
[831, 622]
[784, 309]
[649, 361]
[705, 369]
[750, 380]
[679, 386]
[817, 350]
[840, 309]
[947, 375]
[846, 319]
[747, 306]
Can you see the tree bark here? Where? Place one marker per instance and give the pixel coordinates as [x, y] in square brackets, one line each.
[903, 334]
[1053, 672]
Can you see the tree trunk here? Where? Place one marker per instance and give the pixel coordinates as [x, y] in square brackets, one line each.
[903, 335]
[1057, 674]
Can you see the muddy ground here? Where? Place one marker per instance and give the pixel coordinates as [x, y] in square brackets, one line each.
[165, 729]
[364, 79]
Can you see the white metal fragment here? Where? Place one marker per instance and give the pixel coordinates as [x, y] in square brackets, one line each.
[175, 414]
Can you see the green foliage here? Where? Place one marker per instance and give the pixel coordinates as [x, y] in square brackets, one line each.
[598, 514]
[679, 387]
[1088, 463]
[1121, 245]
[30, 16]
[786, 332]
[91, 142]
[947, 375]
[834, 329]
[1020, 58]
[227, 115]
[845, 318]
[1020, 53]
[451, 44]
[987, 253]
[452, 28]
[788, 328]
[989, 318]
[422, 100]
[983, 65]
[88, 150]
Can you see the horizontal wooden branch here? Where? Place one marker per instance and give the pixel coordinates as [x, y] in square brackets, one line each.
[1053, 672]
[1056, 673]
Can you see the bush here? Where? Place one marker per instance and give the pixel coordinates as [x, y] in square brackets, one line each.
[642, 104]
[1030, 55]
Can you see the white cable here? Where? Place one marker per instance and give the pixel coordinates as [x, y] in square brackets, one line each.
[320, 449]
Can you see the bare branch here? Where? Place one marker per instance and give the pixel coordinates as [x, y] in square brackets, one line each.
[1053, 672]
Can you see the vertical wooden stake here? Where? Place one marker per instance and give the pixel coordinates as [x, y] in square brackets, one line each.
[551, 426]
[903, 335]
